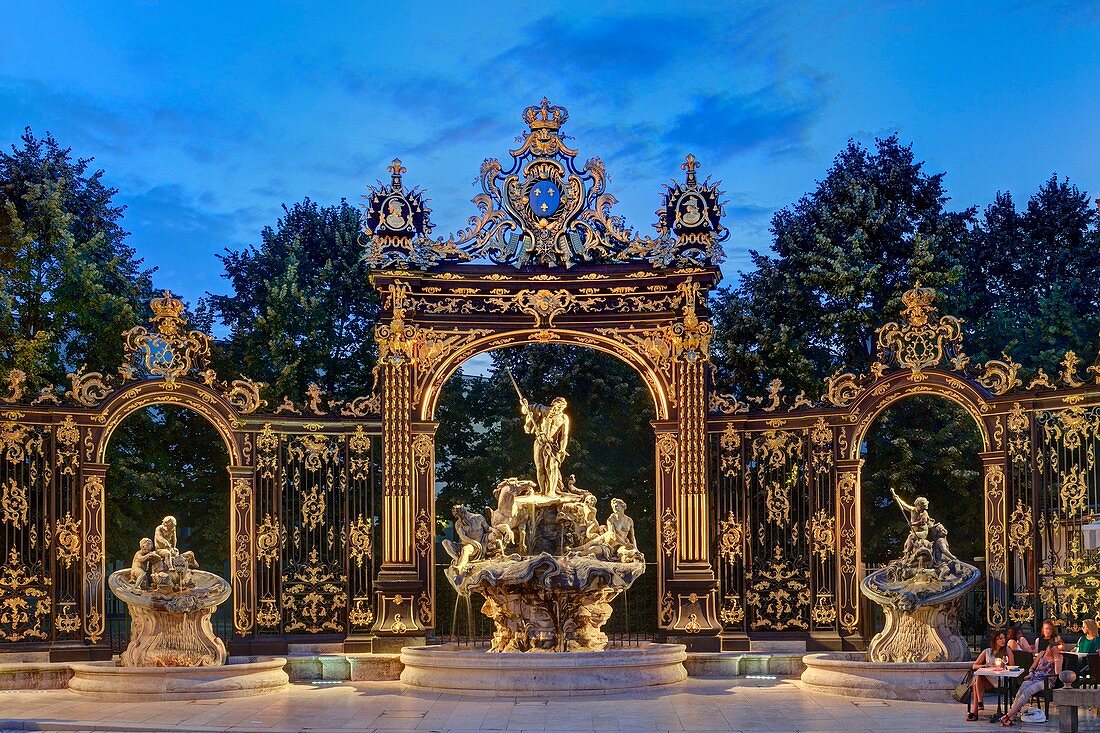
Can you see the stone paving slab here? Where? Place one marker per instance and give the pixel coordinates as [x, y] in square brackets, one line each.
[695, 706]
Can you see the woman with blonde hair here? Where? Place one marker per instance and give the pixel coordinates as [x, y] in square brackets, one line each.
[1090, 642]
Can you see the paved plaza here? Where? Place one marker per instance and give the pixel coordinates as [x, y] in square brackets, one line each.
[697, 705]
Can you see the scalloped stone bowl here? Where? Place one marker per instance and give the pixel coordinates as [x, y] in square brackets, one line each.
[242, 677]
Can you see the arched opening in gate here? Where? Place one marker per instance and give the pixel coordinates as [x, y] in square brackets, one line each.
[165, 459]
[924, 445]
[480, 440]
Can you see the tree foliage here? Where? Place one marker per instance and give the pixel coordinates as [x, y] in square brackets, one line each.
[842, 257]
[301, 307]
[69, 282]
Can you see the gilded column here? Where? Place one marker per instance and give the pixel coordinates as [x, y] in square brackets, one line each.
[848, 543]
[241, 529]
[399, 580]
[93, 477]
[996, 551]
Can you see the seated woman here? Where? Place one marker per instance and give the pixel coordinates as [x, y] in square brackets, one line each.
[997, 649]
[1047, 665]
[1047, 635]
[1017, 641]
[1090, 642]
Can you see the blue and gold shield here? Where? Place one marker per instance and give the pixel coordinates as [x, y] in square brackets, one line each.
[545, 198]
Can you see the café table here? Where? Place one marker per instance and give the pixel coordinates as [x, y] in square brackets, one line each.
[1001, 674]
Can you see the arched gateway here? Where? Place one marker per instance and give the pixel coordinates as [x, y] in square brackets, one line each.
[758, 504]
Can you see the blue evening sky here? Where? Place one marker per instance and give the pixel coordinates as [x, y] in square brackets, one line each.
[208, 116]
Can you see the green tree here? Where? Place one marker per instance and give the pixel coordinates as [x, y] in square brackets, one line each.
[842, 257]
[168, 460]
[1030, 281]
[302, 308]
[69, 282]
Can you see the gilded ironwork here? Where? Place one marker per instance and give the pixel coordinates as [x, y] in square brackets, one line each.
[1000, 377]
[360, 542]
[172, 351]
[778, 594]
[13, 503]
[823, 532]
[921, 342]
[313, 595]
[731, 539]
[25, 601]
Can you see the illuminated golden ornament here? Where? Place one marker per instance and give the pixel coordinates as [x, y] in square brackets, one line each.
[731, 539]
[67, 540]
[920, 343]
[13, 502]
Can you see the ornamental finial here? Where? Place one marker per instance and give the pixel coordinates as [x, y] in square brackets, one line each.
[396, 169]
[689, 165]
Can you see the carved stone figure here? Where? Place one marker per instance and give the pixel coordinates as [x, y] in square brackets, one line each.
[550, 426]
[170, 603]
[546, 567]
[920, 593]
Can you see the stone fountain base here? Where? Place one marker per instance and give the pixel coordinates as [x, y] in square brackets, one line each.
[242, 677]
[476, 672]
[846, 673]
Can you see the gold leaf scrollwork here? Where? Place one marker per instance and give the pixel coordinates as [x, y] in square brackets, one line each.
[244, 395]
[267, 448]
[422, 452]
[727, 404]
[270, 537]
[1073, 490]
[730, 457]
[821, 440]
[17, 380]
[67, 540]
[313, 596]
[779, 594]
[920, 343]
[732, 613]
[666, 452]
[823, 532]
[267, 615]
[731, 539]
[88, 389]
[67, 620]
[1020, 527]
[423, 533]
[668, 609]
[313, 507]
[24, 601]
[824, 611]
[360, 615]
[424, 608]
[1000, 377]
[668, 532]
[841, 388]
[360, 544]
[1070, 362]
[13, 502]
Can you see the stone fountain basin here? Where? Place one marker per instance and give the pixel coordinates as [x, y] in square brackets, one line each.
[846, 673]
[242, 677]
[477, 672]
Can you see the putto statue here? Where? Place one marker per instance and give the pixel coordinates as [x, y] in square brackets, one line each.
[920, 593]
[170, 603]
[547, 568]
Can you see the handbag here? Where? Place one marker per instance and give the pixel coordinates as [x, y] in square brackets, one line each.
[964, 689]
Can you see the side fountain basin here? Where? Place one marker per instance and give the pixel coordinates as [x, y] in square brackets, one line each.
[846, 673]
[242, 677]
[475, 672]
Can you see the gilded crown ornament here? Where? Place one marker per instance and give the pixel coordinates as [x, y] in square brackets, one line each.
[921, 343]
[543, 209]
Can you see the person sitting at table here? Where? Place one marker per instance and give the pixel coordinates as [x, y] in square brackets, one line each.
[1090, 642]
[1017, 640]
[1047, 665]
[997, 650]
[1047, 635]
